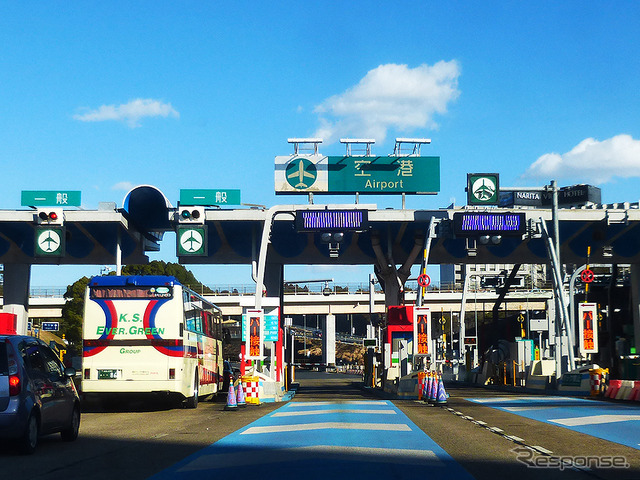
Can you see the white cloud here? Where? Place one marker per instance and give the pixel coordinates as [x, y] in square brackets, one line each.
[125, 186]
[130, 113]
[389, 96]
[591, 161]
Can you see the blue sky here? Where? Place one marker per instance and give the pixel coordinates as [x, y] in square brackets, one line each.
[103, 96]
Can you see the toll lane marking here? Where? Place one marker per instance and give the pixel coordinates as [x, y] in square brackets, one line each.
[593, 420]
[346, 402]
[619, 423]
[390, 427]
[329, 453]
[327, 412]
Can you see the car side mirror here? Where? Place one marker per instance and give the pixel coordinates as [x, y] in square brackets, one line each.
[70, 372]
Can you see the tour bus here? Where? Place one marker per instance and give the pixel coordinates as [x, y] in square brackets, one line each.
[150, 334]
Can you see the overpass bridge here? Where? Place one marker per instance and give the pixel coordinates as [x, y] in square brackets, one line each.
[49, 306]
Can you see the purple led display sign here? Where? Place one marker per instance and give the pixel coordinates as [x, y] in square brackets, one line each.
[331, 220]
[473, 224]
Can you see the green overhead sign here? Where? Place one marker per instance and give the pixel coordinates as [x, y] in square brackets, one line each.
[192, 241]
[209, 197]
[483, 188]
[50, 198]
[348, 174]
[49, 241]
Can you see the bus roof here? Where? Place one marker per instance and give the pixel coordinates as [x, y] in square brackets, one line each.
[138, 280]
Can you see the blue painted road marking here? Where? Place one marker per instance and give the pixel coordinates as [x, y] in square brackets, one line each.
[615, 422]
[355, 440]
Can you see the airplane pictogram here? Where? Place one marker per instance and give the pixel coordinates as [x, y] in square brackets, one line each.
[301, 175]
[45, 243]
[191, 240]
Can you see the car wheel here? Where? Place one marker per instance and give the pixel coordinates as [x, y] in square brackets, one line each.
[192, 402]
[71, 433]
[29, 440]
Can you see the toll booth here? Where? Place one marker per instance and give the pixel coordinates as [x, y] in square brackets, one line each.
[398, 342]
[8, 323]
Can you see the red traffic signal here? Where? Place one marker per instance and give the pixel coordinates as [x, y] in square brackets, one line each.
[50, 216]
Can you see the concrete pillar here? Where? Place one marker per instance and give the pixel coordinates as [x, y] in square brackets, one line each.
[273, 278]
[635, 304]
[329, 341]
[17, 278]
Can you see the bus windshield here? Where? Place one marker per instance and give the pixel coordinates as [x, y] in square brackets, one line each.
[133, 291]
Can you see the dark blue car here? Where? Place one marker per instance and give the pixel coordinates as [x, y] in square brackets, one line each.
[37, 393]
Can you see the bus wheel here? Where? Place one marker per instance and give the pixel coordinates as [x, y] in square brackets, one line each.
[192, 402]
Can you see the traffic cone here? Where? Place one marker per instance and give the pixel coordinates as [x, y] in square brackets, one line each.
[241, 399]
[433, 390]
[442, 396]
[427, 387]
[232, 403]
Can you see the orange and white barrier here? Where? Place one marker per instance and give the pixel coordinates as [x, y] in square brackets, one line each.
[613, 388]
[635, 391]
[627, 390]
[251, 390]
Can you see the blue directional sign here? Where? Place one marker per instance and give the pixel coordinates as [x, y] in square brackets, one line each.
[50, 326]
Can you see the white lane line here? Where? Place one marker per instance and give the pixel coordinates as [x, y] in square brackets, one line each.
[391, 427]
[328, 452]
[335, 410]
[348, 402]
[524, 409]
[541, 449]
[497, 399]
[531, 400]
[594, 420]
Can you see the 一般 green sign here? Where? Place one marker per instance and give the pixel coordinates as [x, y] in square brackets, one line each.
[209, 197]
[50, 198]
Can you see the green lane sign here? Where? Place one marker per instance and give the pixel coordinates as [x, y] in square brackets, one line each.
[50, 198]
[209, 197]
[192, 241]
[49, 241]
[483, 189]
[348, 174]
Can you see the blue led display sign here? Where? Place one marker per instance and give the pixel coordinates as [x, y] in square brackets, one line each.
[331, 220]
[473, 224]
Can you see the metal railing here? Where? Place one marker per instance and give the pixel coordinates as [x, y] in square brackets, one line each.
[290, 289]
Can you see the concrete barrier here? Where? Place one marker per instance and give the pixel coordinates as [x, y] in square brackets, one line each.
[613, 388]
[408, 386]
[635, 392]
[540, 374]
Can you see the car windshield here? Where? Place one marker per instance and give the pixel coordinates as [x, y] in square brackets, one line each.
[4, 363]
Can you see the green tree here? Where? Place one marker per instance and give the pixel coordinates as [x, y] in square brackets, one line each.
[71, 322]
[159, 267]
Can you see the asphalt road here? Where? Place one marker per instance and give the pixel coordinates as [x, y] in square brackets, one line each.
[139, 440]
